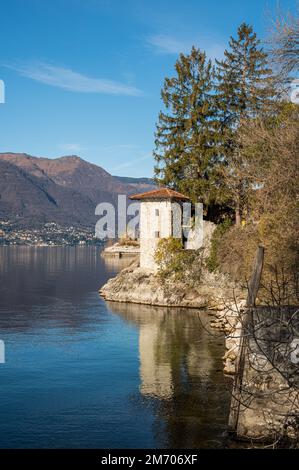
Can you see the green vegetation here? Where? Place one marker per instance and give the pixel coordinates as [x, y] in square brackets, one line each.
[186, 136]
[177, 264]
[212, 261]
[229, 137]
[197, 136]
[271, 150]
[244, 90]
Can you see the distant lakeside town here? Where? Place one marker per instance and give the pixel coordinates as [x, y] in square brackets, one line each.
[49, 234]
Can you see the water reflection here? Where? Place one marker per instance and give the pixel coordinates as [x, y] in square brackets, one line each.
[117, 264]
[53, 258]
[130, 376]
[42, 287]
[181, 373]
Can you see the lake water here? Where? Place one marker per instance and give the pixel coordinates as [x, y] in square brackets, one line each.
[83, 373]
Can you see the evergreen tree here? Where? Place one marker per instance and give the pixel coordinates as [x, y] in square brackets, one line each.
[186, 133]
[244, 90]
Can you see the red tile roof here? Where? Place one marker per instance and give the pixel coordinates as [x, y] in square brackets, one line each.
[162, 193]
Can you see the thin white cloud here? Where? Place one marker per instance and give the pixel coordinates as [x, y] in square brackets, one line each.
[117, 148]
[70, 80]
[169, 45]
[164, 44]
[71, 147]
[131, 163]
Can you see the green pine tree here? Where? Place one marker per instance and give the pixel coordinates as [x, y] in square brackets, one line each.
[244, 87]
[186, 134]
[244, 91]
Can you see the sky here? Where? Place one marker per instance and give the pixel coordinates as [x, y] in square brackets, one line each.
[84, 76]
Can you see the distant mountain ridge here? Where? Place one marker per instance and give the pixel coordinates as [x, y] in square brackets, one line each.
[66, 190]
[140, 184]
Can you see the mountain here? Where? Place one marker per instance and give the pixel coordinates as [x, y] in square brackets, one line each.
[66, 190]
[140, 184]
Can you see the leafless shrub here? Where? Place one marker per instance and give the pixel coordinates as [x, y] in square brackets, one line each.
[270, 150]
[284, 42]
[127, 241]
[265, 403]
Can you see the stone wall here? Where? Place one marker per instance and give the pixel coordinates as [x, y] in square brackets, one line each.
[268, 400]
[265, 403]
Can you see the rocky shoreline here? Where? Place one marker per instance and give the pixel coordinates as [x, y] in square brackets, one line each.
[214, 293]
[229, 321]
[138, 285]
[226, 305]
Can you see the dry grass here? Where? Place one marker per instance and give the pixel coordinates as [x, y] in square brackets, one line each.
[127, 241]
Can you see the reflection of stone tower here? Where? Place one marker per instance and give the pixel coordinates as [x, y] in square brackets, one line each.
[173, 344]
[156, 221]
[180, 373]
[155, 377]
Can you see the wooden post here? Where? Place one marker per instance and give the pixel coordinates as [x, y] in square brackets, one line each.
[253, 288]
[255, 279]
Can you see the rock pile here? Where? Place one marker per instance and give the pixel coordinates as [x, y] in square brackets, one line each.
[229, 321]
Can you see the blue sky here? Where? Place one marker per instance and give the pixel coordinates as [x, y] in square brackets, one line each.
[84, 76]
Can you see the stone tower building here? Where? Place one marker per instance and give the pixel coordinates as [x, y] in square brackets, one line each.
[160, 217]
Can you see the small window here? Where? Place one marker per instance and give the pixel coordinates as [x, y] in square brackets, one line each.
[157, 234]
[157, 212]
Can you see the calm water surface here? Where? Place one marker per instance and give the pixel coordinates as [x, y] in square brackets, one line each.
[81, 372]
